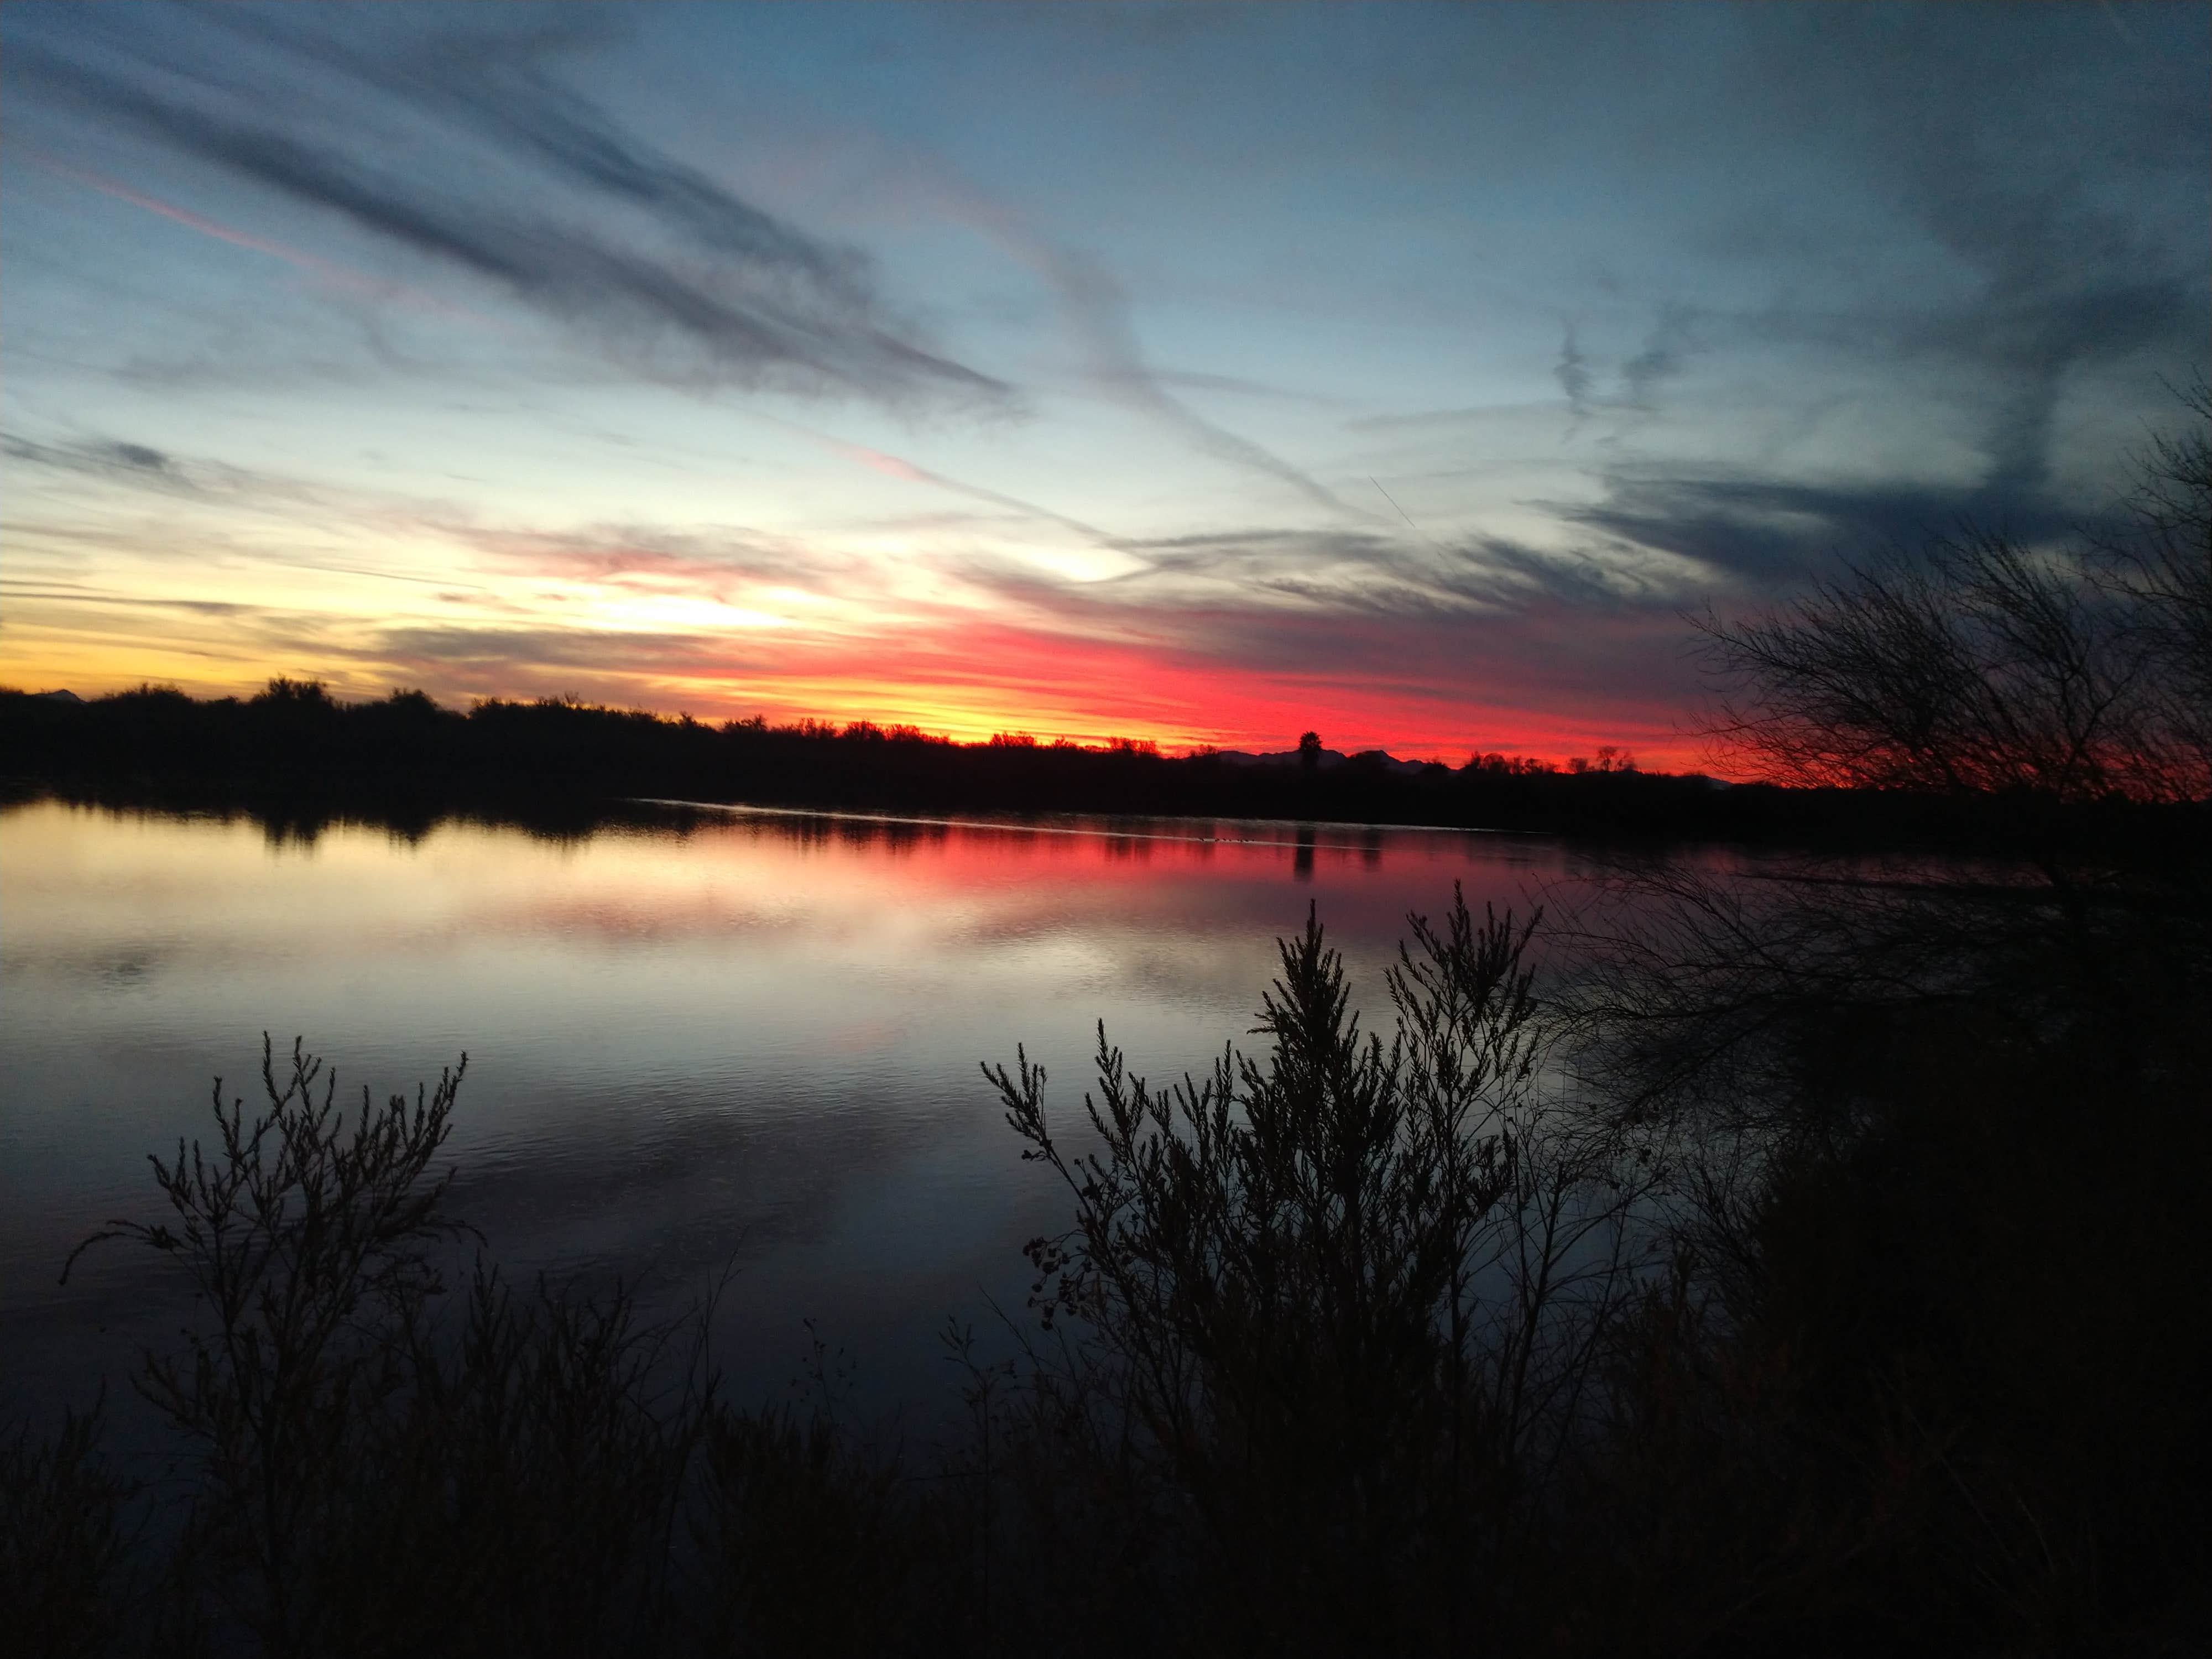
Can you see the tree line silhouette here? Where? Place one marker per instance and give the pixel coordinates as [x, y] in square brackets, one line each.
[295, 753]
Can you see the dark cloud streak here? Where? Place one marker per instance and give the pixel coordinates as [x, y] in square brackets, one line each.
[1766, 534]
[1098, 312]
[774, 307]
[2057, 207]
[1356, 574]
[497, 90]
[1573, 373]
[1662, 359]
[113, 461]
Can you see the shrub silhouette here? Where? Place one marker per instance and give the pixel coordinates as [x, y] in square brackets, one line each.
[62, 1540]
[308, 1248]
[363, 1475]
[808, 1544]
[1340, 1304]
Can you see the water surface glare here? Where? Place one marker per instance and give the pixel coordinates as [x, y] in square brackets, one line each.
[736, 1037]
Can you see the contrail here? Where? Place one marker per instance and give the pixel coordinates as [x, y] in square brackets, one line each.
[329, 270]
[1406, 516]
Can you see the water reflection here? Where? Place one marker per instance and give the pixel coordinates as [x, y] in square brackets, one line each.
[696, 1036]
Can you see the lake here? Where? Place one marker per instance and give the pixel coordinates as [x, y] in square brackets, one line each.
[696, 1040]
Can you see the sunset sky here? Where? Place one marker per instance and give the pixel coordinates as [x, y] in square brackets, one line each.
[1203, 374]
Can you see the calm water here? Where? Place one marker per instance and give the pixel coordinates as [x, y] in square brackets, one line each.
[741, 1038]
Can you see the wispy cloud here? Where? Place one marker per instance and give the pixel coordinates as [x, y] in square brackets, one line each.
[1351, 573]
[112, 460]
[1664, 355]
[2067, 203]
[1761, 533]
[656, 553]
[719, 291]
[897, 466]
[107, 461]
[1098, 312]
[1573, 373]
[324, 270]
[1095, 310]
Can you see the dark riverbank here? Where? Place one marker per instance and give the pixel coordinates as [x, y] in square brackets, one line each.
[293, 758]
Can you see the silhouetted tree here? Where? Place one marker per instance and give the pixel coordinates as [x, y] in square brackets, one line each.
[2056, 696]
[2082, 671]
[1876, 1071]
[282, 690]
[2163, 571]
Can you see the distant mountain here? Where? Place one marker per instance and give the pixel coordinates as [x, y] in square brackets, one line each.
[1330, 758]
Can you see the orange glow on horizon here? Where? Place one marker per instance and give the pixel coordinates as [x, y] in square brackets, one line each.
[1250, 712]
[649, 631]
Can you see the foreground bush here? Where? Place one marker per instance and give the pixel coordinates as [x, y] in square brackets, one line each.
[371, 1465]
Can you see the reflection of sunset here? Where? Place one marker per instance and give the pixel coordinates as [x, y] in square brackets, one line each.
[753, 1027]
[82, 881]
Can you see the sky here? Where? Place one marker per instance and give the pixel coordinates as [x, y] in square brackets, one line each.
[1204, 373]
